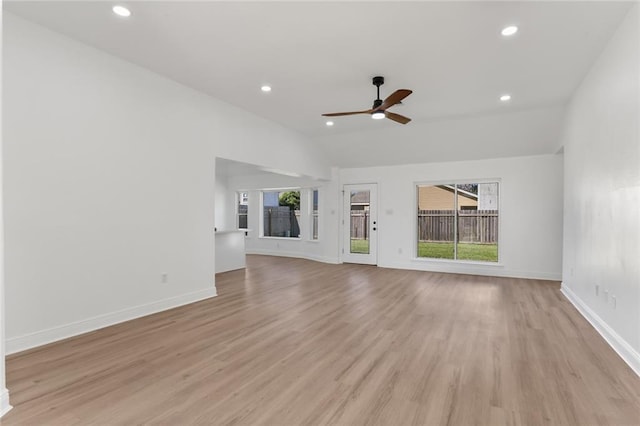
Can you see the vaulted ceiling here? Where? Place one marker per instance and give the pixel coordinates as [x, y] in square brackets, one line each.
[320, 56]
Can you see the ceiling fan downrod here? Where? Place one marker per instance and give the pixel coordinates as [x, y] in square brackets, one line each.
[378, 81]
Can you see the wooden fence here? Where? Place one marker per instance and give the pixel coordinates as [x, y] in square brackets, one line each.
[359, 224]
[474, 226]
[281, 222]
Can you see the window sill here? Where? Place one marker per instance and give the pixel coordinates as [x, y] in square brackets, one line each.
[281, 238]
[313, 241]
[457, 262]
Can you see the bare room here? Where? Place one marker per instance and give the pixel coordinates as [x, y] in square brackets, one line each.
[310, 212]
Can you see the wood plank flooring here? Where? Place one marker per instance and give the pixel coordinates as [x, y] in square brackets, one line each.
[295, 342]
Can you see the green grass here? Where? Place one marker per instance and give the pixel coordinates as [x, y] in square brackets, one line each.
[359, 246]
[466, 251]
[436, 250]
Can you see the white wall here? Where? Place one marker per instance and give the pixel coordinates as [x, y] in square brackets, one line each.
[602, 193]
[109, 183]
[224, 207]
[530, 213]
[4, 393]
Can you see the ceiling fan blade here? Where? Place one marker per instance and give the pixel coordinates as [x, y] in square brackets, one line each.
[397, 117]
[338, 114]
[394, 98]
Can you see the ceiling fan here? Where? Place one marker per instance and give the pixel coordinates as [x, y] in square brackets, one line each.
[380, 107]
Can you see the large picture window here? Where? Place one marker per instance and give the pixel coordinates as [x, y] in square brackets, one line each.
[281, 214]
[458, 221]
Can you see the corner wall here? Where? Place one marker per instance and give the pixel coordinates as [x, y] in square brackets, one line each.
[109, 176]
[602, 193]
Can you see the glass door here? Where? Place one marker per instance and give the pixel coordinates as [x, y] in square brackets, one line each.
[360, 224]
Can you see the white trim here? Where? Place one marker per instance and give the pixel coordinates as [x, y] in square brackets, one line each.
[457, 267]
[297, 255]
[617, 343]
[4, 402]
[457, 261]
[310, 208]
[281, 238]
[43, 337]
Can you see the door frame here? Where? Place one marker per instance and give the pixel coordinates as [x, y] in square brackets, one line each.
[345, 233]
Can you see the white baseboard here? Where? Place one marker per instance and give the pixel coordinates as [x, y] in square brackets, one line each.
[622, 348]
[43, 337]
[488, 270]
[294, 254]
[4, 402]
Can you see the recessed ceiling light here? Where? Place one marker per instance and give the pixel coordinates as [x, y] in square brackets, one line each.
[121, 11]
[329, 123]
[510, 30]
[266, 88]
[505, 98]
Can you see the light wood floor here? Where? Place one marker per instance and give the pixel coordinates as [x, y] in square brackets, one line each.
[294, 342]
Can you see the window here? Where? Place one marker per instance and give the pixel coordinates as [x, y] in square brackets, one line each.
[314, 214]
[458, 221]
[281, 214]
[243, 210]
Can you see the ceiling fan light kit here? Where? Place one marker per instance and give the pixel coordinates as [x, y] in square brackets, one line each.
[380, 107]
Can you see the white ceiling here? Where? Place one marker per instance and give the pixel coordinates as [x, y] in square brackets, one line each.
[320, 56]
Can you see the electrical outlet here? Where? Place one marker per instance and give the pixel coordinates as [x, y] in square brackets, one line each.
[606, 296]
[597, 289]
[613, 300]
[164, 278]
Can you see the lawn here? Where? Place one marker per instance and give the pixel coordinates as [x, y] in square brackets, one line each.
[466, 251]
[360, 246]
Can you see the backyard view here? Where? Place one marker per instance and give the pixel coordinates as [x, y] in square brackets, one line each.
[359, 229]
[455, 221]
[458, 221]
[281, 212]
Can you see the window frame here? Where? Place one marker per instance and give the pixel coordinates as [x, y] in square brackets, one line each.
[237, 204]
[311, 215]
[416, 258]
[262, 227]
